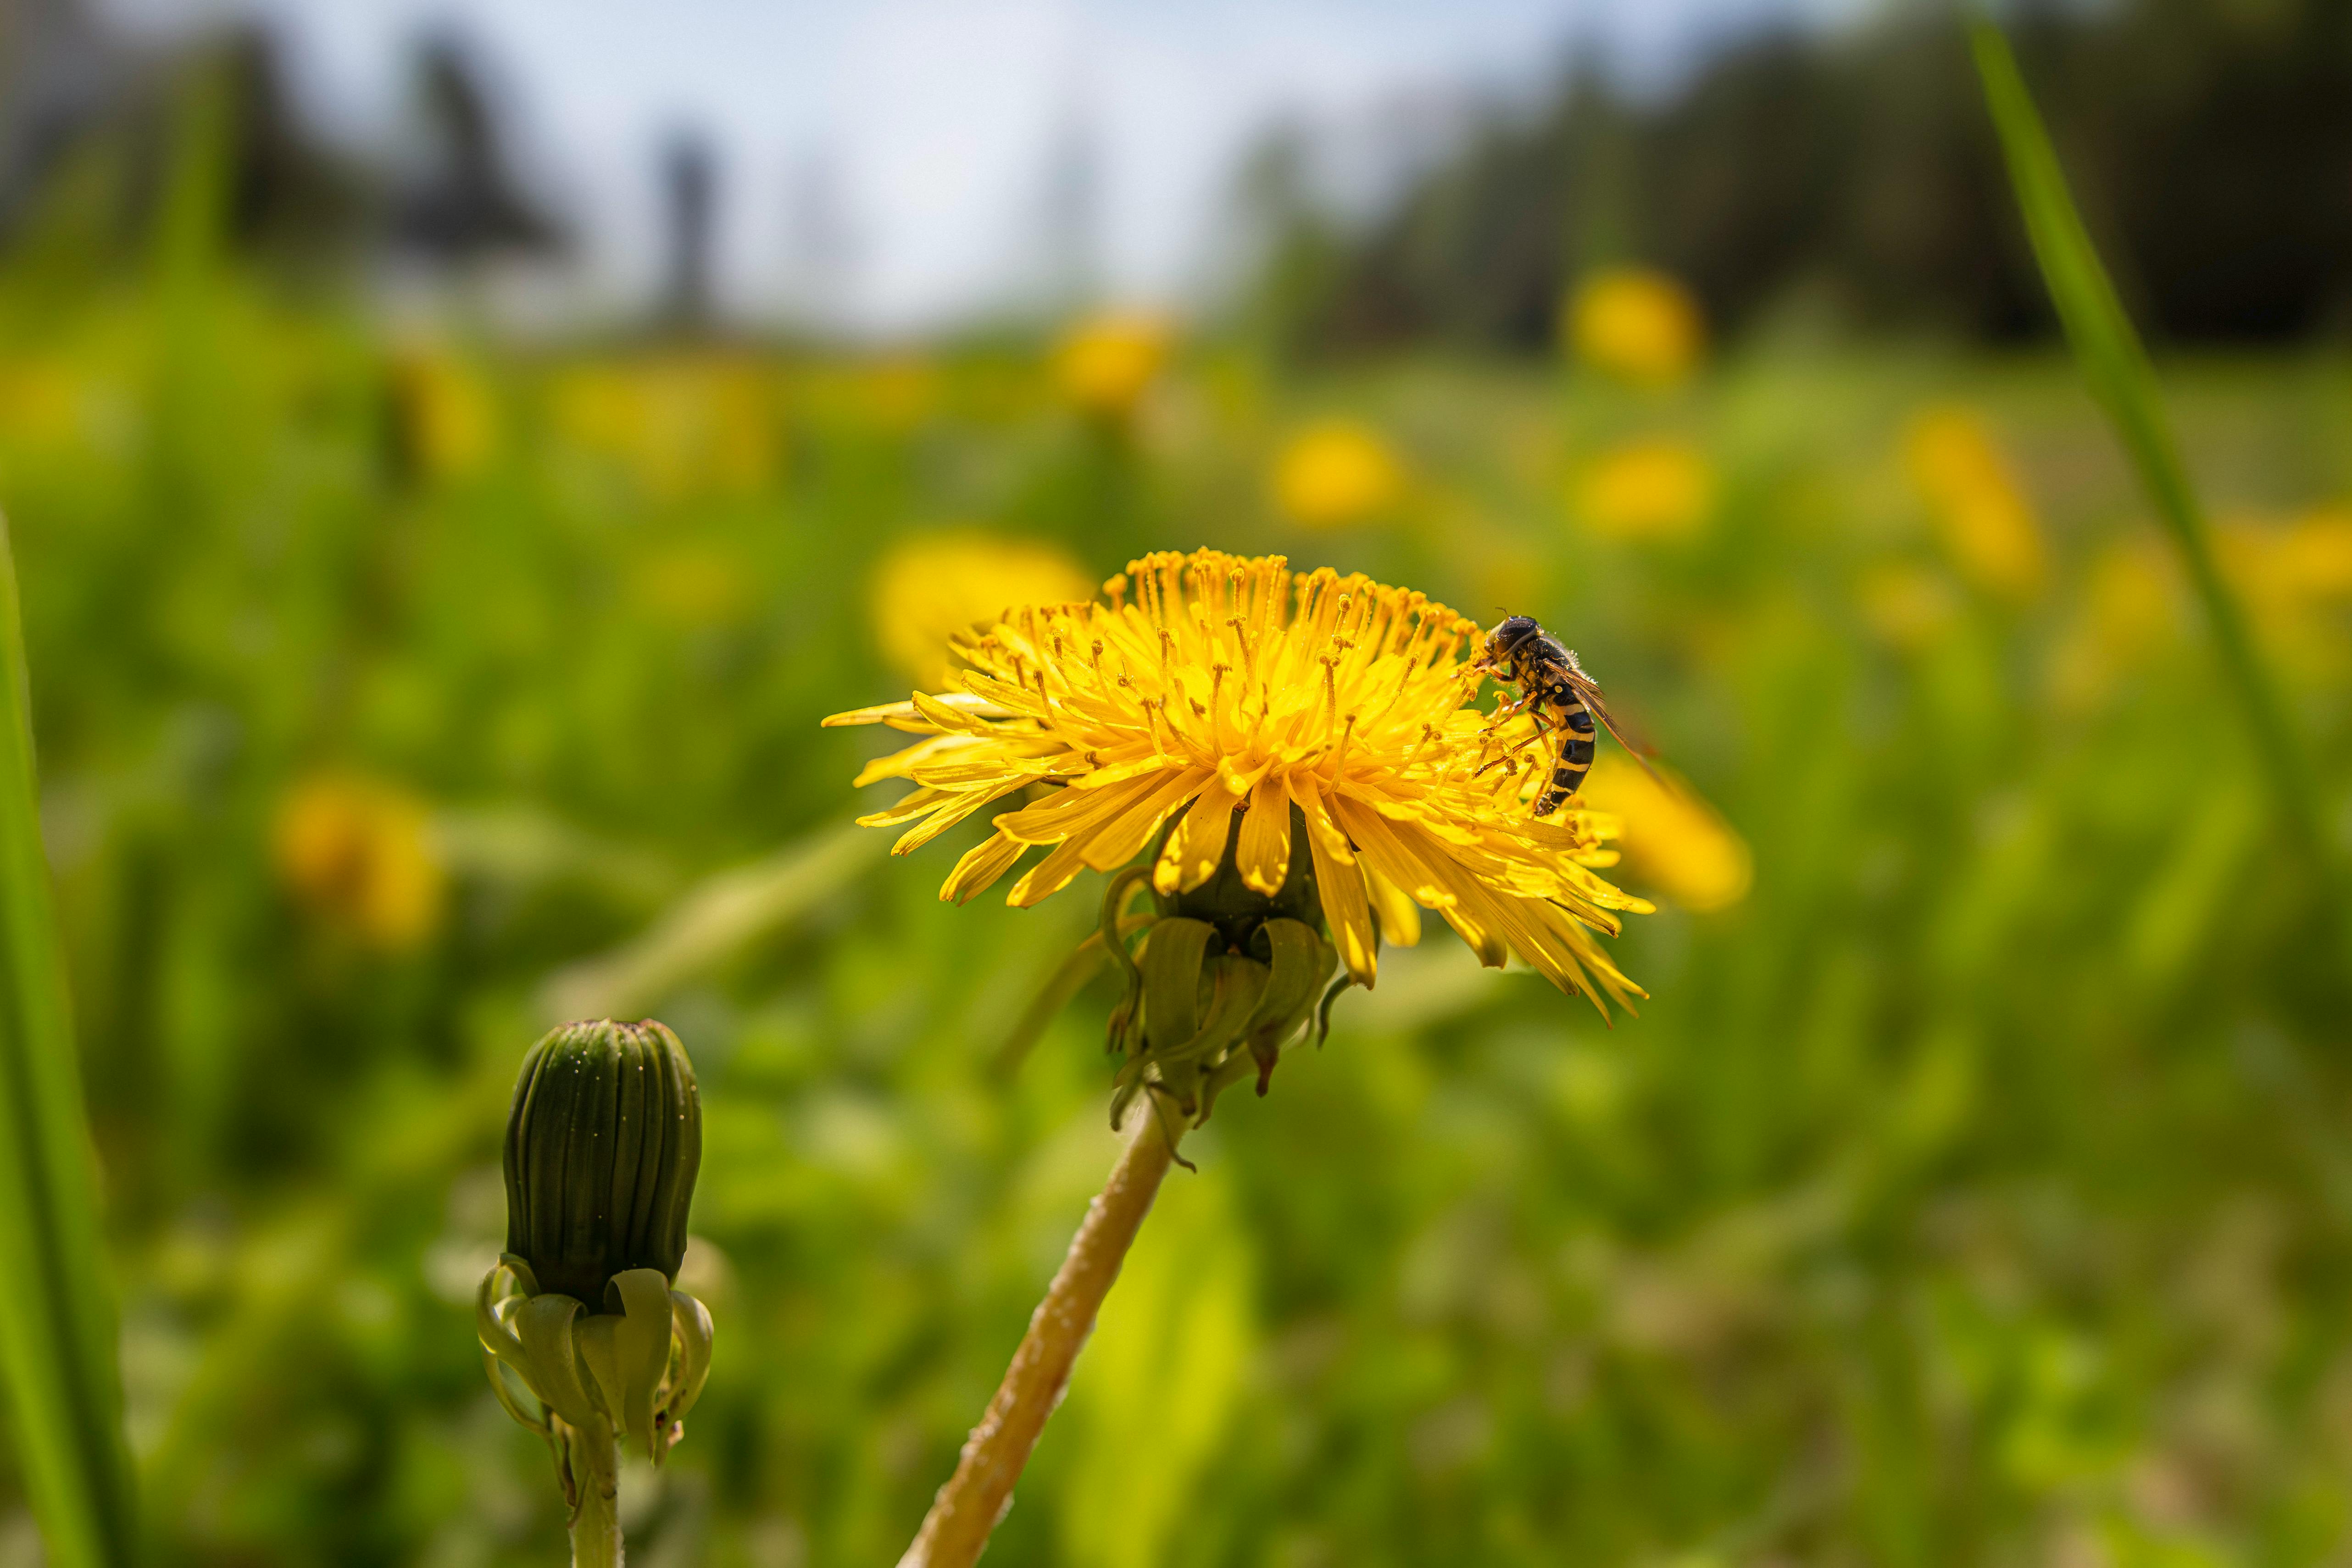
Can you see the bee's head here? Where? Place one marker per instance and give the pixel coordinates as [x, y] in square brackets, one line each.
[1506, 637]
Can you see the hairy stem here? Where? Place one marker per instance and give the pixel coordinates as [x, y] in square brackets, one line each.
[597, 1528]
[977, 1495]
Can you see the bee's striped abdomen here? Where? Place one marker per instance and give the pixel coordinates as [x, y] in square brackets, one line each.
[1574, 759]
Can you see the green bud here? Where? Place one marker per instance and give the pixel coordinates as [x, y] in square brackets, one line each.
[602, 1150]
[583, 1337]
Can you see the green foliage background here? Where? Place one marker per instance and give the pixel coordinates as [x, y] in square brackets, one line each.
[1976, 1191]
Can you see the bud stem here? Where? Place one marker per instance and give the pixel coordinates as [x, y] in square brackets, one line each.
[597, 1528]
[977, 1495]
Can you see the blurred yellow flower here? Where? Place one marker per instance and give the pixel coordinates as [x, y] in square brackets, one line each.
[1672, 840]
[683, 427]
[1658, 489]
[2125, 619]
[1231, 684]
[1987, 524]
[898, 393]
[45, 405]
[1637, 324]
[1906, 606]
[444, 422]
[1105, 362]
[2294, 578]
[357, 854]
[932, 587]
[1336, 472]
[2316, 557]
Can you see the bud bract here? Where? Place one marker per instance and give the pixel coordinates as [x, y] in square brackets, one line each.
[602, 1150]
[1226, 977]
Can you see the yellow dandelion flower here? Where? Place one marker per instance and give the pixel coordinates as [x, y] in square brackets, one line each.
[1212, 687]
[1982, 512]
[929, 589]
[358, 854]
[2127, 618]
[898, 393]
[2317, 554]
[1105, 362]
[1906, 607]
[445, 421]
[2295, 576]
[48, 405]
[681, 428]
[1657, 490]
[1336, 472]
[1672, 840]
[1635, 323]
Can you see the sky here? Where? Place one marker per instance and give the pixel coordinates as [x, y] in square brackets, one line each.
[890, 161]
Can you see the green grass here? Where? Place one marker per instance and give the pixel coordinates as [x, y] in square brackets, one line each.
[2116, 369]
[58, 1324]
[1974, 1191]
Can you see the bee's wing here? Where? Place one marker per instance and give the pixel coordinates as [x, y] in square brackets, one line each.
[1636, 745]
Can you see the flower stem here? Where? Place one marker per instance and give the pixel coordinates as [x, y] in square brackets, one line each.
[977, 1495]
[597, 1528]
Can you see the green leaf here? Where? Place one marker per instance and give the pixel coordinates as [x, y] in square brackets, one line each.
[56, 1319]
[2116, 366]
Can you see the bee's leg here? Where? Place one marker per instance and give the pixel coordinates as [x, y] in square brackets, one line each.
[1541, 730]
[1506, 710]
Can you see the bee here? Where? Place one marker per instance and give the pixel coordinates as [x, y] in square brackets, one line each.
[1561, 699]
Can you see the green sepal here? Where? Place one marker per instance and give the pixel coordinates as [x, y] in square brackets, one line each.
[1235, 985]
[1113, 938]
[1299, 960]
[1171, 982]
[552, 1356]
[1323, 1013]
[691, 1321]
[504, 1393]
[642, 1338]
[489, 1322]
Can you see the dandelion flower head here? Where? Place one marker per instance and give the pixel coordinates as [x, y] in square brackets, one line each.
[1907, 606]
[1106, 362]
[1987, 524]
[934, 586]
[358, 854]
[1337, 472]
[446, 419]
[1334, 714]
[1635, 323]
[1646, 490]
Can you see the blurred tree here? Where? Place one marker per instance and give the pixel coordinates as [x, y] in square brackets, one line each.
[287, 194]
[290, 194]
[2211, 141]
[59, 72]
[463, 200]
[689, 210]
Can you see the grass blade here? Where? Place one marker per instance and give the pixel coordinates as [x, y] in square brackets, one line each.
[57, 1321]
[2116, 368]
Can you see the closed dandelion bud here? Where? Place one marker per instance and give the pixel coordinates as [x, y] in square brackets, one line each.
[584, 1339]
[602, 1150]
